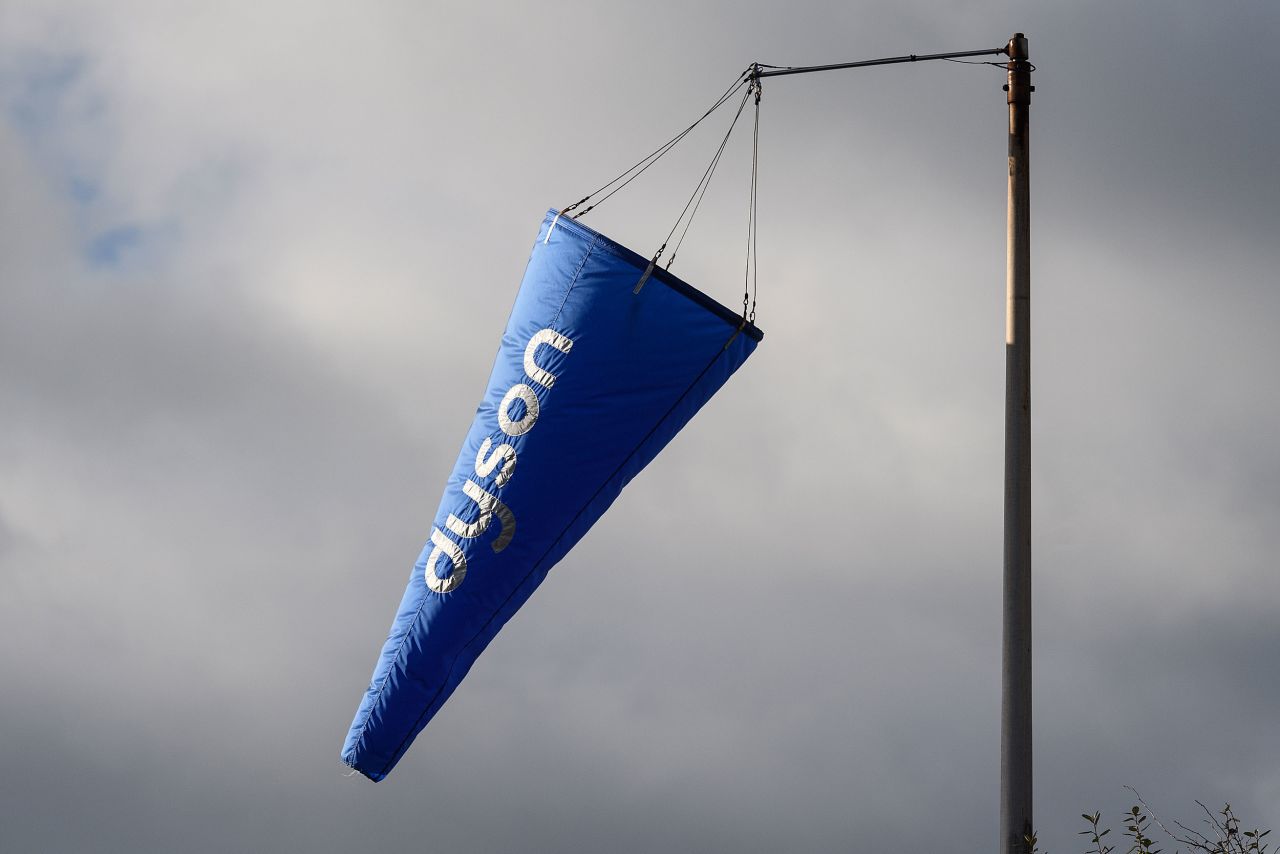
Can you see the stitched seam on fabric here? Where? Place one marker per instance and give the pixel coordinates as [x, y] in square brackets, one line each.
[364, 725]
[404, 744]
[574, 280]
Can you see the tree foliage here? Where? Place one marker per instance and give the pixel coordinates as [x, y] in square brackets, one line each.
[1221, 833]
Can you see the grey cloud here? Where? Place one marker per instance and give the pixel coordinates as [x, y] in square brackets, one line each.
[216, 462]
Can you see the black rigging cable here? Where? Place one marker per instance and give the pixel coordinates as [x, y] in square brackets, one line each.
[753, 260]
[703, 183]
[645, 162]
[1001, 65]
[700, 189]
[751, 79]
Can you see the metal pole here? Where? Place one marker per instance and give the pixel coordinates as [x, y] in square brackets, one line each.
[1015, 699]
[1015, 692]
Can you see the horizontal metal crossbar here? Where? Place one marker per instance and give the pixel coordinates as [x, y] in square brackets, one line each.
[892, 60]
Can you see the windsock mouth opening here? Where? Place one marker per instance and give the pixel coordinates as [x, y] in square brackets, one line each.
[554, 221]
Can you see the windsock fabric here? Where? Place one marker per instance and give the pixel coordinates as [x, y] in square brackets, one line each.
[591, 381]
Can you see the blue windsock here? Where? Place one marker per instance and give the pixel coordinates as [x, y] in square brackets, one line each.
[593, 378]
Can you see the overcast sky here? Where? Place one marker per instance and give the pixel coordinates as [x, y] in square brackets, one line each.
[255, 260]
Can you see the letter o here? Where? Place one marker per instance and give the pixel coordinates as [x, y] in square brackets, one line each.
[525, 424]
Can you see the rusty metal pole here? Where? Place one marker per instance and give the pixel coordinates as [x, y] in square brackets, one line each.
[1015, 699]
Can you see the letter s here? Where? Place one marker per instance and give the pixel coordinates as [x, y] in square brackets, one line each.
[486, 462]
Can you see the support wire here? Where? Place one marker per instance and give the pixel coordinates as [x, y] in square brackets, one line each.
[753, 260]
[652, 157]
[704, 182]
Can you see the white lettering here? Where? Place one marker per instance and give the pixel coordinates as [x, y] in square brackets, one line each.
[504, 454]
[550, 337]
[455, 555]
[488, 459]
[489, 507]
[525, 424]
